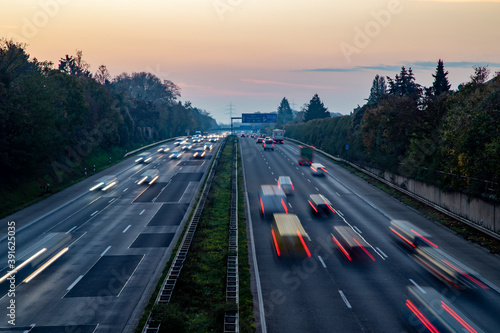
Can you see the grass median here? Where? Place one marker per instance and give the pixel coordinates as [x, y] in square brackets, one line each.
[198, 302]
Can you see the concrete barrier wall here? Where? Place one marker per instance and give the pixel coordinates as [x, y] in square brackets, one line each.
[480, 212]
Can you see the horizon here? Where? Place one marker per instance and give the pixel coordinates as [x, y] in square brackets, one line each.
[252, 54]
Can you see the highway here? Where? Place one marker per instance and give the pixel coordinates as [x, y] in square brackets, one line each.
[114, 240]
[329, 293]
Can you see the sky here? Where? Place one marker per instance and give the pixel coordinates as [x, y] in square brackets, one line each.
[242, 56]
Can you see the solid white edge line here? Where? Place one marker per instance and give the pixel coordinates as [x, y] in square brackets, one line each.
[345, 299]
[322, 262]
[74, 283]
[107, 249]
[125, 230]
[416, 285]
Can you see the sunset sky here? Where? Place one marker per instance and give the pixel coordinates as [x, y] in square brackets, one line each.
[252, 53]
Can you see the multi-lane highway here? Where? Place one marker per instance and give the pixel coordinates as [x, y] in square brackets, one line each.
[329, 293]
[114, 243]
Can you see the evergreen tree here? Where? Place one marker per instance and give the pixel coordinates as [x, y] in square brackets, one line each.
[404, 84]
[378, 89]
[441, 83]
[285, 114]
[315, 109]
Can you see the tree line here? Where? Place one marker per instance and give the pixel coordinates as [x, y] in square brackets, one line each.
[449, 138]
[51, 115]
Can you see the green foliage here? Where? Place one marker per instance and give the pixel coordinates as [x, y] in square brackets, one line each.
[449, 139]
[285, 114]
[52, 120]
[315, 109]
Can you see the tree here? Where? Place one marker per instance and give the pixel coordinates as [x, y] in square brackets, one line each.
[404, 85]
[285, 114]
[441, 84]
[378, 89]
[102, 75]
[75, 66]
[315, 109]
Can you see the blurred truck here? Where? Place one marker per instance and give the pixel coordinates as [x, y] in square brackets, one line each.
[278, 136]
[305, 155]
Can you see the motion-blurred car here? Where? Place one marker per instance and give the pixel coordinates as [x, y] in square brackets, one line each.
[144, 158]
[272, 200]
[268, 144]
[430, 311]
[320, 205]
[199, 152]
[351, 244]
[208, 146]
[149, 176]
[318, 169]
[285, 183]
[105, 183]
[163, 149]
[448, 269]
[409, 235]
[289, 237]
[176, 154]
[186, 146]
[259, 140]
[179, 141]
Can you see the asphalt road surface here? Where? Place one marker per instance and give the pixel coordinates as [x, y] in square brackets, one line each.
[329, 293]
[116, 243]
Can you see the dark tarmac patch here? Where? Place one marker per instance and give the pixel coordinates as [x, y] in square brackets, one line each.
[107, 277]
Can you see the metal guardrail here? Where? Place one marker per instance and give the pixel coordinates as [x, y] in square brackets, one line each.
[231, 320]
[408, 193]
[174, 271]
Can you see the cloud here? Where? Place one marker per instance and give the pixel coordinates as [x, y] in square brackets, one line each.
[299, 85]
[415, 64]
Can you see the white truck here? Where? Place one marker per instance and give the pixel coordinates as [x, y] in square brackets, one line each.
[278, 136]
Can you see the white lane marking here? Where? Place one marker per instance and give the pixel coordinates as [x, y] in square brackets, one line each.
[110, 201]
[359, 231]
[338, 211]
[70, 230]
[322, 262]
[419, 288]
[317, 189]
[180, 168]
[385, 255]
[308, 238]
[269, 168]
[345, 299]
[289, 204]
[136, 181]
[302, 174]
[94, 213]
[125, 230]
[107, 249]
[125, 190]
[337, 193]
[272, 172]
[142, 212]
[74, 283]
[297, 168]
